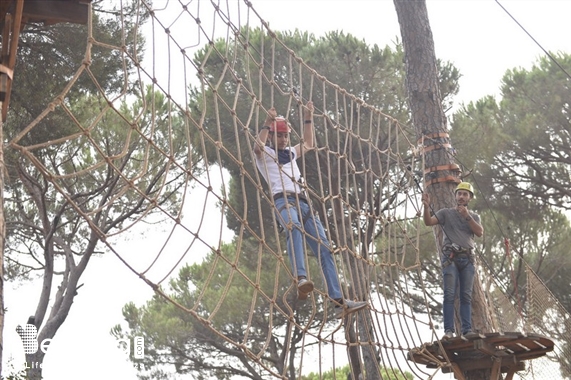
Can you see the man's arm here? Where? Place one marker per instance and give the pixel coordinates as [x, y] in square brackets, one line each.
[429, 220]
[308, 139]
[476, 227]
[263, 134]
[474, 224]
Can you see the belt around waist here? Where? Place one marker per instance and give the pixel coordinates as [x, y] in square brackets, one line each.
[456, 249]
[288, 194]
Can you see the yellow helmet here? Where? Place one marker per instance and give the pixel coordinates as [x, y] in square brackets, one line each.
[465, 186]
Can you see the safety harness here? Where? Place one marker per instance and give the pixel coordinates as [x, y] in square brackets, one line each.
[456, 252]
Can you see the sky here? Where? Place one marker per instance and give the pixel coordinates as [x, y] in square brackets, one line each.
[478, 36]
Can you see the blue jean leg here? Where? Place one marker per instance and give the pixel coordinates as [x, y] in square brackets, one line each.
[322, 252]
[290, 219]
[317, 241]
[466, 280]
[461, 274]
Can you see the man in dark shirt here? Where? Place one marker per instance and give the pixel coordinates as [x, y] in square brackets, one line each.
[457, 258]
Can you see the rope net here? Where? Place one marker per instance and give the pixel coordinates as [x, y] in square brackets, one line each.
[547, 316]
[178, 140]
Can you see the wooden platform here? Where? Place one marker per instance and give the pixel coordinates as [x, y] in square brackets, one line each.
[501, 353]
[48, 12]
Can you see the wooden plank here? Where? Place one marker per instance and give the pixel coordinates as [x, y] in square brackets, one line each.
[13, 38]
[54, 11]
[484, 347]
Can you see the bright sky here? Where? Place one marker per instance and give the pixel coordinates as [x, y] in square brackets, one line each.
[478, 36]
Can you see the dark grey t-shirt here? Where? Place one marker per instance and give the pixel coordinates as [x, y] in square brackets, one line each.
[456, 228]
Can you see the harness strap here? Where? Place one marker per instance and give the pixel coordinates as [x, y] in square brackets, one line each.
[461, 253]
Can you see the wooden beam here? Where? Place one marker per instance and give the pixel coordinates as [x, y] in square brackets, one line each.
[484, 347]
[7, 28]
[511, 372]
[54, 11]
[5, 5]
[496, 369]
[9, 51]
[490, 349]
[458, 373]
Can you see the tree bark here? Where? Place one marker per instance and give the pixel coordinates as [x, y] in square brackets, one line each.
[431, 127]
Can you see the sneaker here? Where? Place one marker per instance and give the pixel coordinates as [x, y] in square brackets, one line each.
[304, 287]
[470, 334]
[348, 307]
[448, 335]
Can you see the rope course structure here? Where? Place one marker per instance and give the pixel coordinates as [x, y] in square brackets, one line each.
[178, 141]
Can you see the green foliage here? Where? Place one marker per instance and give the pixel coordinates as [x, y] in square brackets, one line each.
[344, 373]
[222, 306]
[214, 309]
[525, 137]
[10, 372]
[90, 169]
[63, 45]
[375, 74]
[521, 169]
[112, 169]
[73, 148]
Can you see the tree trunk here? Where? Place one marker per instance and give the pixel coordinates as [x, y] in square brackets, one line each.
[431, 127]
[34, 364]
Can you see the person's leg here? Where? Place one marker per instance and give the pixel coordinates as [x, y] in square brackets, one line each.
[317, 241]
[290, 220]
[450, 281]
[466, 279]
[319, 244]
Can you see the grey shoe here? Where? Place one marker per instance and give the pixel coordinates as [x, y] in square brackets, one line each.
[470, 334]
[304, 287]
[448, 335]
[348, 307]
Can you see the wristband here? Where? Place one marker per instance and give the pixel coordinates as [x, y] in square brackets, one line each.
[308, 121]
[266, 127]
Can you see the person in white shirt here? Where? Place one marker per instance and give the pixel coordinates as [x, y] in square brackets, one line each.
[276, 160]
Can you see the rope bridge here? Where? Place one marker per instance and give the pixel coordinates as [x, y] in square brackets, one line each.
[185, 124]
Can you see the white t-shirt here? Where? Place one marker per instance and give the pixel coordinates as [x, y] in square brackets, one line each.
[279, 169]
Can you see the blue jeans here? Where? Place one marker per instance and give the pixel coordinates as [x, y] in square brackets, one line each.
[296, 218]
[459, 273]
